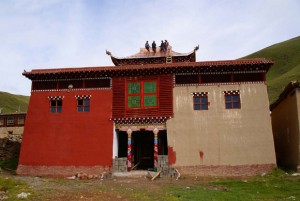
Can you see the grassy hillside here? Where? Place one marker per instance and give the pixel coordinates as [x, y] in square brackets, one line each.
[11, 103]
[286, 68]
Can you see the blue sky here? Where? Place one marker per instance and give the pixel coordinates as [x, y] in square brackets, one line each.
[38, 34]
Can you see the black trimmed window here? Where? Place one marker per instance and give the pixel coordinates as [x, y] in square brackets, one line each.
[232, 100]
[56, 106]
[200, 100]
[56, 103]
[10, 121]
[83, 103]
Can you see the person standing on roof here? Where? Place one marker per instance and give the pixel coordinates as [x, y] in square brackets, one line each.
[166, 45]
[162, 46]
[147, 46]
[154, 47]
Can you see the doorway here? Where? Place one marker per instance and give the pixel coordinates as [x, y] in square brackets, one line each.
[143, 149]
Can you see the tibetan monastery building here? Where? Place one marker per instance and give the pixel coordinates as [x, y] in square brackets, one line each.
[150, 111]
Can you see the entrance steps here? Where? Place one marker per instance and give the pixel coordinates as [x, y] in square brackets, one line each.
[133, 173]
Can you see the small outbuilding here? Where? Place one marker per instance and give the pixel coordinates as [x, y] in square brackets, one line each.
[286, 126]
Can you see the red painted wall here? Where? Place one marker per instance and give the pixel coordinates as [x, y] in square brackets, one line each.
[69, 138]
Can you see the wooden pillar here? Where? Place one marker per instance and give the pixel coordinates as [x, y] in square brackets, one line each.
[155, 131]
[129, 154]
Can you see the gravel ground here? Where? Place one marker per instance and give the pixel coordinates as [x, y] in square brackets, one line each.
[121, 188]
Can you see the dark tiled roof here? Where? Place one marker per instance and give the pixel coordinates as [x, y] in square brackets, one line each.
[13, 114]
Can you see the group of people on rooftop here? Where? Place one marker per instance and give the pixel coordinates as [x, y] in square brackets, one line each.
[163, 46]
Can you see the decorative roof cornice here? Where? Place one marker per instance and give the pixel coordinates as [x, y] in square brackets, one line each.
[152, 69]
[141, 120]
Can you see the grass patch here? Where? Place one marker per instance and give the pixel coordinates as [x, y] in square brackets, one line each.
[10, 188]
[11, 103]
[274, 186]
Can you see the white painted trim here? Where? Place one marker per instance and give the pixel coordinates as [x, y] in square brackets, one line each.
[115, 143]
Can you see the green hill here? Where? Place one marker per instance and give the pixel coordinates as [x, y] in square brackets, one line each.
[11, 103]
[286, 68]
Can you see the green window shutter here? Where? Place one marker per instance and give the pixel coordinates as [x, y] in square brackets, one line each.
[134, 88]
[149, 87]
[134, 101]
[150, 101]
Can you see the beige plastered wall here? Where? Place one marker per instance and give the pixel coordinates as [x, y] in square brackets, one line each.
[5, 131]
[222, 136]
[285, 123]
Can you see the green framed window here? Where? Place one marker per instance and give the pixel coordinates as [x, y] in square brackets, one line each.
[142, 94]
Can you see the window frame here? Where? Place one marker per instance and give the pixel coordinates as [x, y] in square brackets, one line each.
[56, 108]
[142, 94]
[21, 120]
[84, 107]
[232, 100]
[202, 104]
[10, 121]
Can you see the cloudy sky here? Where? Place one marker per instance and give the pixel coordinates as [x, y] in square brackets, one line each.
[38, 34]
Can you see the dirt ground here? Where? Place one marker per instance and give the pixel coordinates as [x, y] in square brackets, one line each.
[116, 188]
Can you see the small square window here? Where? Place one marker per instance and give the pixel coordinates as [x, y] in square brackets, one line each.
[83, 105]
[10, 121]
[56, 106]
[201, 102]
[21, 120]
[232, 101]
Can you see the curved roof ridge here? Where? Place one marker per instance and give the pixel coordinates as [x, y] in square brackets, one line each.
[144, 53]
